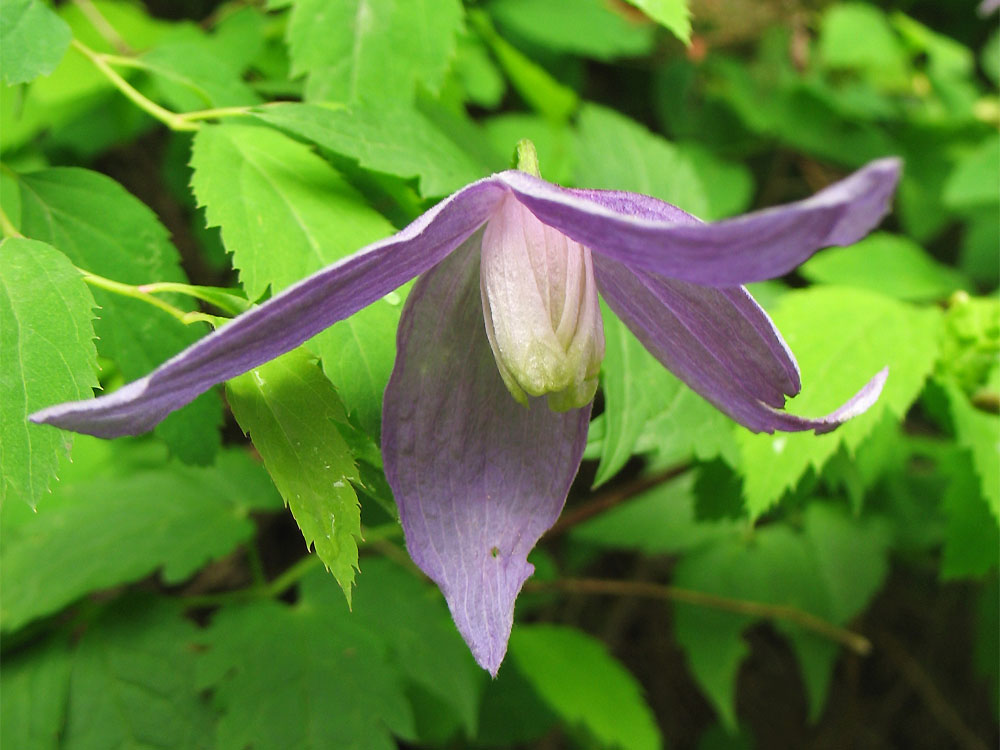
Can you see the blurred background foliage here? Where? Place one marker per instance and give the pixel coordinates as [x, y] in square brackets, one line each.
[705, 587]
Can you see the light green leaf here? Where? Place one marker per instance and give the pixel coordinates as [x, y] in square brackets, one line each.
[97, 533]
[585, 685]
[659, 521]
[285, 213]
[856, 35]
[392, 140]
[133, 681]
[192, 77]
[973, 181]
[673, 15]
[104, 229]
[372, 50]
[33, 40]
[47, 355]
[322, 681]
[617, 153]
[590, 28]
[537, 87]
[478, 75]
[291, 411]
[840, 337]
[831, 570]
[891, 264]
[34, 682]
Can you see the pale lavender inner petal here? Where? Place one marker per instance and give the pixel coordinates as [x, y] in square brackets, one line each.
[283, 322]
[721, 345]
[640, 232]
[477, 477]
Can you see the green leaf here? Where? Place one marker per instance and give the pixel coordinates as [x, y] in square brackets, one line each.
[392, 140]
[840, 337]
[101, 532]
[977, 432]
[673, 15]
[537, 87]
[597, 30]
[831, 570]
[291, 412]
[420, 637]
[47, 356]
[891, 264]
[105, 230]
[617, 153]
[972, 536]
[33, 40]
[585, 685]
[192, 77]
[856, 35]
[322, 681]
[973, 181]
[133, 681]
[374, 50]
[285, 213]
[478, 75]
[659, 521]
[34, 683]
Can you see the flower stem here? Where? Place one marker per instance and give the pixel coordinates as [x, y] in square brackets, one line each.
[854, 641]
[102, 26]
[128, 290]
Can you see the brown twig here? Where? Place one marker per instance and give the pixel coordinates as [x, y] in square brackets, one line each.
[923, 685]
[854, 641]
[612, 497]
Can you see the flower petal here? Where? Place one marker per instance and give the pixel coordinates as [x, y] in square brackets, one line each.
[646, 233]
[722, 344]
[283, 322]
[477, 477]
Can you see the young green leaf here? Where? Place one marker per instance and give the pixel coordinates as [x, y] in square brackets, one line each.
[673, 15]
[284, 213]
[101, 532]
[104, 229]
[585, 685]
[291, 411]
[47, 355]
[322, 681]
[872, 332]
[33, 40]
[371, 50]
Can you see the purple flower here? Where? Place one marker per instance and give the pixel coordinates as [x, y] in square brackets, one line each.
[504, 312]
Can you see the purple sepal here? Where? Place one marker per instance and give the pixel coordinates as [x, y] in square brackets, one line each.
[646, 233]
[477, 477]
[283, 322]
[722, 344]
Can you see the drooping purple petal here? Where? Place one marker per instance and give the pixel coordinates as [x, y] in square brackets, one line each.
[283, 322]
[728, 253]
[720, 343]
[477, 477]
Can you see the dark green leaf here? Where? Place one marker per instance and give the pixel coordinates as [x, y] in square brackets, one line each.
[35, 685]
[291, 412]
[47, 356]
[100, 532]
[322, 681]
[972, 536]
